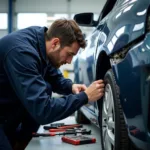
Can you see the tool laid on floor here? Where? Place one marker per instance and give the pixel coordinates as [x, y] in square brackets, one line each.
[68, 129]
[62, 133]
[57, 124]
[62, 126]
[53, 126]
[78, 140]
[61, 130]
[71, 126]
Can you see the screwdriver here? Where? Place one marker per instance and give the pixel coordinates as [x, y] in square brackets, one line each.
[71, 126]
[63, 133]
[61, 130]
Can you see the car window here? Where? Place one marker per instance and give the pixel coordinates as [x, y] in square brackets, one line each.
[107, 8]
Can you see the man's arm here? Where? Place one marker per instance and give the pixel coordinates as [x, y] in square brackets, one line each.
[22, 66]
[59, 84]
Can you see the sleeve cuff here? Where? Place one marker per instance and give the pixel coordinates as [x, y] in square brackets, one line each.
[70, 87]
[84, 97]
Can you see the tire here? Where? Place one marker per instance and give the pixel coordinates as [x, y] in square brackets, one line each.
[114, 135]
[80, 118]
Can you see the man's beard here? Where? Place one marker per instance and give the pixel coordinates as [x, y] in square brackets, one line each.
[54, 59]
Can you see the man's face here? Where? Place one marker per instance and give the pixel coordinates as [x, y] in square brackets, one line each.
[60, 56]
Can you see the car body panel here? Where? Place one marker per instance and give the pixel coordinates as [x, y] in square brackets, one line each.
[134, 70]
[124, 30]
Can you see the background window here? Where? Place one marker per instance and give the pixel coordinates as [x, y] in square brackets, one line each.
[31, 19]
[3, 20]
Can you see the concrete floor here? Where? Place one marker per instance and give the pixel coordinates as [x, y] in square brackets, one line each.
[55, 142]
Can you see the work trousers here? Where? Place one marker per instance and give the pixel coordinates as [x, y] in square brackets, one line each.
[16, 130]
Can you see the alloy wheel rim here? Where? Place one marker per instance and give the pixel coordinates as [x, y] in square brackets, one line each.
[108, 119]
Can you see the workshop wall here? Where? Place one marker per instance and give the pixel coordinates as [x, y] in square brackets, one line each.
[49, 7]
[3, 6]
[61, 6]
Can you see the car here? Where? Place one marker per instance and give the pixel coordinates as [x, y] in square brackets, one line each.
[118, 52]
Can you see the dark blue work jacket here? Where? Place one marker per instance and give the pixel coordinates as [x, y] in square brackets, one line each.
[24, 71]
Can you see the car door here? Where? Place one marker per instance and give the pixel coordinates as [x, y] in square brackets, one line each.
[104, 34]
[86, 59]
[86, 62]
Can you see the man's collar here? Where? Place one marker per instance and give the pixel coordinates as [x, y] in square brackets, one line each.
[42, 44]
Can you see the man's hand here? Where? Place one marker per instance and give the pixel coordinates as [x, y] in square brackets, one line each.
[77, 88]
[95, 91]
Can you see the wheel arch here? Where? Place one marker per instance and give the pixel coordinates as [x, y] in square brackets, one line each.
[102, 66]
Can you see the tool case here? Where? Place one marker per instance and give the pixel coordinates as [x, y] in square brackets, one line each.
[78, 140]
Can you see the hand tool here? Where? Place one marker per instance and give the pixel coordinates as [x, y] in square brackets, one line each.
[61, 130]
[62, 133]
[69, 126]
[53, 126]
[57, 124]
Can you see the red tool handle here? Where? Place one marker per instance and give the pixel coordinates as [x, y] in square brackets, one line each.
[70, 126]
[52, 134]
[43, 134]
[56, 130]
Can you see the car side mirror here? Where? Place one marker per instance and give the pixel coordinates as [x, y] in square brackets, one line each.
[85, 19]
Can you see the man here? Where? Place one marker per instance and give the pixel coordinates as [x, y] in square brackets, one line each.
[29, 62]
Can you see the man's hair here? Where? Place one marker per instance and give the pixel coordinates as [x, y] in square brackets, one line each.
[67, 31]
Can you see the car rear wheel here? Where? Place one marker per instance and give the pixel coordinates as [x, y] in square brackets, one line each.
[114, 134]
[80, 118]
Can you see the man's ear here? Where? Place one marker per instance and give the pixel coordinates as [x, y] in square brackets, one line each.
[55, 43]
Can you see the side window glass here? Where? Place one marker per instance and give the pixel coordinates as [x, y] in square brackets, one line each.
[108, 7]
